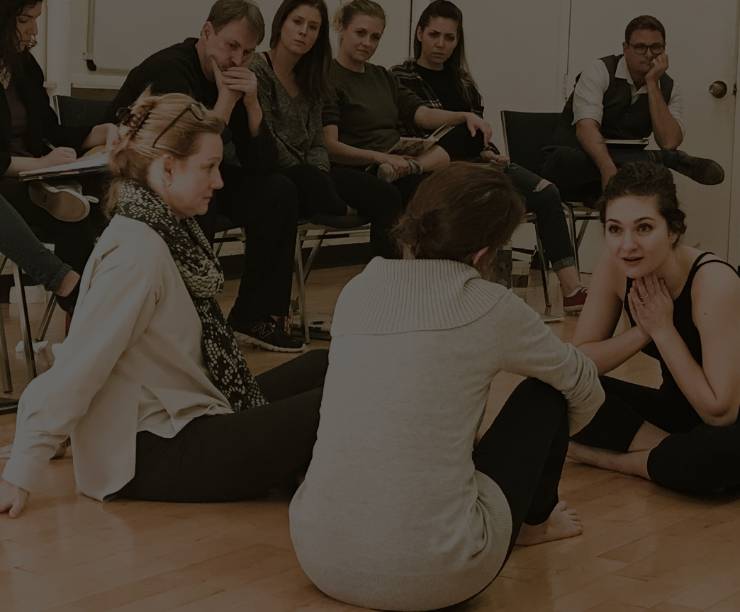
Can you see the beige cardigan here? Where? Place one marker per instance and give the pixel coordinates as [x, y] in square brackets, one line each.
[132, 362]
[392, 513]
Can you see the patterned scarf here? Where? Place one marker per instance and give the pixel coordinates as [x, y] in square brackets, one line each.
[204, 279]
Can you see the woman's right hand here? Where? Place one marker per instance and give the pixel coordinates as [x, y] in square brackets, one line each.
[400, 164]
[12, 499]
[60, 155]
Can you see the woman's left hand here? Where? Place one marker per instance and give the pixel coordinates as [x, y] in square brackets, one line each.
[477, 124]
[651, 304]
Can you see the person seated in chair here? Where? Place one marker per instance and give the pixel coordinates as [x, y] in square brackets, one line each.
[293, 82]
[213, 69]
[623, 97]
[439, 75]
[31, 138]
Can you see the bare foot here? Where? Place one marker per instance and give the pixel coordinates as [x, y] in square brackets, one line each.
[633, 463]
[562, 523]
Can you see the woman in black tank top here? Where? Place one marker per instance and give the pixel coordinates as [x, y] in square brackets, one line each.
[681, 306]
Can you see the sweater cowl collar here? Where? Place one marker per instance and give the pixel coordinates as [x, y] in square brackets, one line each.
[398, 296]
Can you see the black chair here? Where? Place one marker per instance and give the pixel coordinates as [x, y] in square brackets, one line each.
[80, 112]
[526, 134]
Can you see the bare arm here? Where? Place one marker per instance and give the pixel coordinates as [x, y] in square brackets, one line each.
[712, 388]
[600, 316]
[668, 132]
[588, 133]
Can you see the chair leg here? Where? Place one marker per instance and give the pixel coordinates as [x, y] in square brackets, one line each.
[46, 319]
[5, 358]
[25, 324]
[571, 217]
[314, 252]
[581, 232]
[301, 279]
[543, 269]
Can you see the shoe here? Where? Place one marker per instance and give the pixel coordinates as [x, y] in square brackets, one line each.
[573, 304]
[699, 169]
[268, 335]
[63, 202]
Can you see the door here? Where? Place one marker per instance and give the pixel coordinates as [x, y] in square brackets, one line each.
[702, 48]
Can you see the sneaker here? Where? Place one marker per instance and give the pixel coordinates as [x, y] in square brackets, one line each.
[63, 202]
[699, 169]
[573, 303]
[269, 336]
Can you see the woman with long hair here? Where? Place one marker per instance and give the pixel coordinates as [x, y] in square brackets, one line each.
[439, 75]
[158, 402]
[682, 305]
[361, 120]
[32, 138]
[293, 85]
[400, 509]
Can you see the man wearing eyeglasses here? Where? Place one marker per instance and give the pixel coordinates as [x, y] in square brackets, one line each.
[618, 101]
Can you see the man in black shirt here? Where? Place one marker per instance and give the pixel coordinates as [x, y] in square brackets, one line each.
[213, 70]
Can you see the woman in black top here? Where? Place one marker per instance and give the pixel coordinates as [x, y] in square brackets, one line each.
[439, 75]
[31, 137]
[682, 306]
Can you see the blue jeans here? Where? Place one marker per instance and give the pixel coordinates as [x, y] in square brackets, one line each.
[21, 246]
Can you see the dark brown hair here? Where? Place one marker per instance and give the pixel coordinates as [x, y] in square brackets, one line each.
[312, 70]
[643, 22]
[457, 62]
[10, 11]
[646, 179]
[223, 12]
[458, 211]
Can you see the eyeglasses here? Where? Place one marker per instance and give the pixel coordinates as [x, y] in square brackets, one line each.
[196, 108]
[642, 49]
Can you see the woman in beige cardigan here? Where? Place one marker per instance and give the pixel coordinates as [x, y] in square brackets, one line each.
[150, 384]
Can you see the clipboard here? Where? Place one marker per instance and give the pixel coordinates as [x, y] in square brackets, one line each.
[90, 164]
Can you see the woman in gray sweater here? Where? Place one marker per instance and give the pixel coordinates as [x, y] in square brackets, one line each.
[400, 510]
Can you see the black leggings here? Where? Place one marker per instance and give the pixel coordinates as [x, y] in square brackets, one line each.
[697, 459]
[524, 451]
[237, 456]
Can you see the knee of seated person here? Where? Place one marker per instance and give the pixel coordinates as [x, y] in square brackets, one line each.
[545, 191]
[282, 192]
[535, 389]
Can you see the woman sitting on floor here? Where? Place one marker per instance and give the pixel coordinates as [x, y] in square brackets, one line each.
[158, 401]
[361, 119]
[293, 83]
[439, 75]
[682, 306]
[400, 510]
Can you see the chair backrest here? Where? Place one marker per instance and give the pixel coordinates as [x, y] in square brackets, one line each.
[80, 112]
[526, 134]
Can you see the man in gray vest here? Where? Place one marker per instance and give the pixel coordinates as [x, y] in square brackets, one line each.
[623, 98]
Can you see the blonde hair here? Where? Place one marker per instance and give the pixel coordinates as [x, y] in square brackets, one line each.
[154, 126]
[347, 12]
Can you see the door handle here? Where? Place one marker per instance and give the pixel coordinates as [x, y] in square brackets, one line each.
[718, 89]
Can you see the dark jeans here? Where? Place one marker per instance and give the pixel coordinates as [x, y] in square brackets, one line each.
[696, 458]
[578, 177]
[267, 208]
[73, 242]
[545, 203]
[237, 456]
[20, 244]
[524, 451]
[332, 192]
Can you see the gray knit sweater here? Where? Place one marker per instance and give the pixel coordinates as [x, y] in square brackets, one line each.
[392, 513]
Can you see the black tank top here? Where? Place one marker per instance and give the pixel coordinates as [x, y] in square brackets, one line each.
[682, 320]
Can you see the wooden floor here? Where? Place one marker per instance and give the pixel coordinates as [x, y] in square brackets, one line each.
[643, 548]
